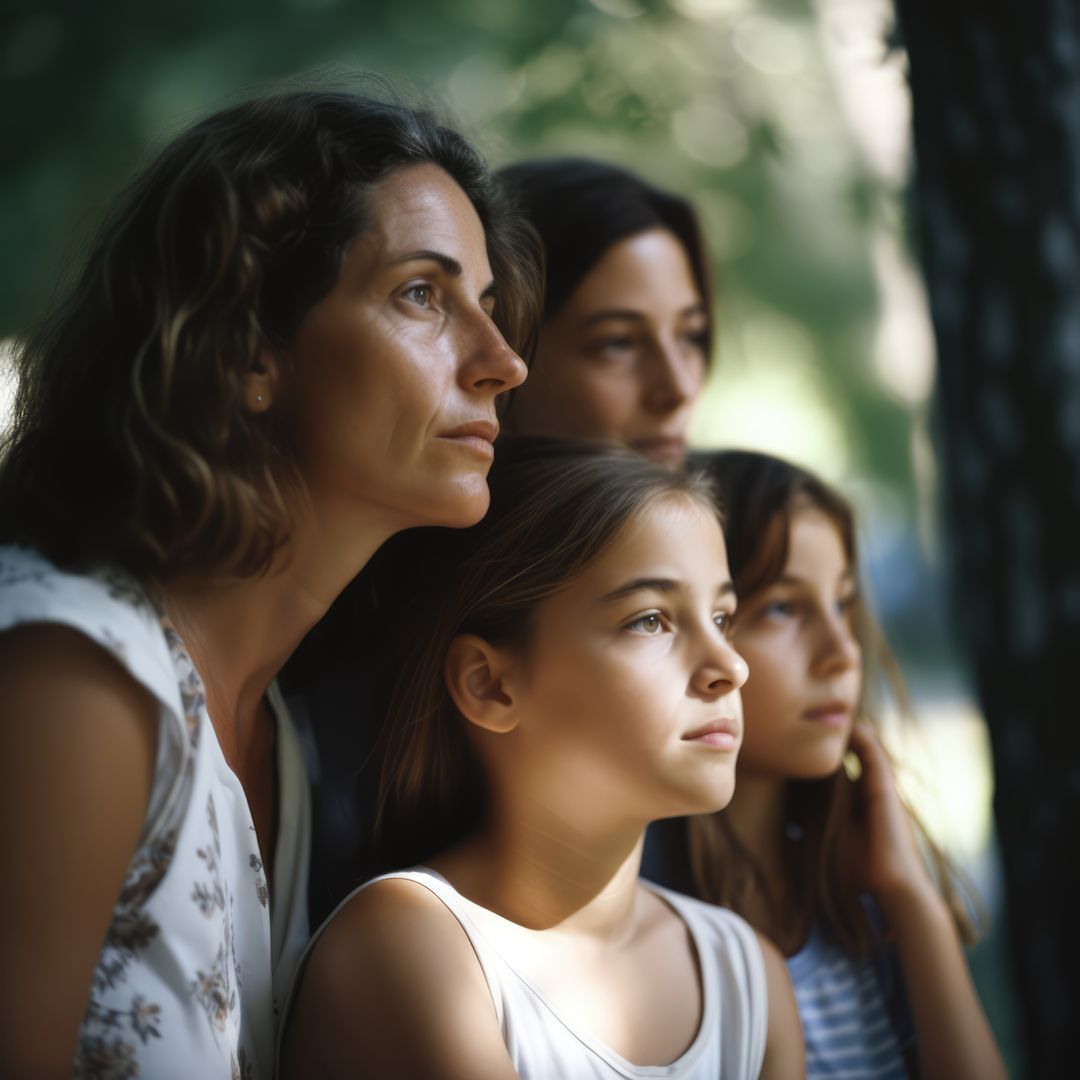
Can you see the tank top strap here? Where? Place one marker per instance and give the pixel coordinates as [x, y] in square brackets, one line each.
[438, 886]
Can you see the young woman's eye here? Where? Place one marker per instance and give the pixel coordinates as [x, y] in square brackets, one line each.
[725, 622]
[419, 295]
[615, 347]
[649, 624]
[694, 339]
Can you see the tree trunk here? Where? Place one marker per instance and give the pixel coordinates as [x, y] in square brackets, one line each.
[996, 94]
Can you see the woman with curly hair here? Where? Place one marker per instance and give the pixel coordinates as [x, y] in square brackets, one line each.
[285, 346]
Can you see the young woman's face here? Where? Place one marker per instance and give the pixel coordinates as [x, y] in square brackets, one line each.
[630, 707]
[806, 664]
[624, 358]
[398, 367]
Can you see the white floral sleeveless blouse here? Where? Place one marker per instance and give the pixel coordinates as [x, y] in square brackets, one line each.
[196, 959]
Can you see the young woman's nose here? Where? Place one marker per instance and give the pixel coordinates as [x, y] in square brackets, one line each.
[674, 376]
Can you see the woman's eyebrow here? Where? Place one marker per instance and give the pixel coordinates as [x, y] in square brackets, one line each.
[611, 313]
[447, 262]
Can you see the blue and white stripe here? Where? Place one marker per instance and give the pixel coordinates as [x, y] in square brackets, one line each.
[845, 1018]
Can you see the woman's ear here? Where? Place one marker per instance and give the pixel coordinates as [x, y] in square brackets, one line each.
[260, 381]
[477, 677]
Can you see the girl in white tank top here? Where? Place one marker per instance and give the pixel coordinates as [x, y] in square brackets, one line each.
[562, 677]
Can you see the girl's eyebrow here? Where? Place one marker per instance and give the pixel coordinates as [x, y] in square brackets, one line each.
[660, 585]
[793, 579]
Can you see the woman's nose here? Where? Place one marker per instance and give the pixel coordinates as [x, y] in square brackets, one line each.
[675, 376]
[490, 364]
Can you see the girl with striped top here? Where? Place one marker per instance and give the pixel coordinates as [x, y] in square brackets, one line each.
[828, 868]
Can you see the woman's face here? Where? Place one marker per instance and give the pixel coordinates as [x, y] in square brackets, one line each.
[624, 358]
[628, 703]
[398, 367]
[806, 664]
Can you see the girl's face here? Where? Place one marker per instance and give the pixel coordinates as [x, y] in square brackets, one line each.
[628, 701]
[624, 358]
[797, 637]
[398, 367]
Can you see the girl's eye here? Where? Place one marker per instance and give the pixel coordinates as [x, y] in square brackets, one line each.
[419, 295]
[725, 622]
[781, 609]
[647, 624]
[846, 605]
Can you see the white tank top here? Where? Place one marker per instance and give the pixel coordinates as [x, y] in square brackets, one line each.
[729, 1045]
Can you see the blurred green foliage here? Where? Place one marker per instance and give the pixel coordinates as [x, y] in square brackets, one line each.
[728, 101]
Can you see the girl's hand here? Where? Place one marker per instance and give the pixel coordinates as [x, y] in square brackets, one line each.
[885, 861]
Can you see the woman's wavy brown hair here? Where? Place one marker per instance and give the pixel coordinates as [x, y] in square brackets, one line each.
[130, 442]
[759, 495]
[555, 506]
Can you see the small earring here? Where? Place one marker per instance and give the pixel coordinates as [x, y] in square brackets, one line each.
[258, 399]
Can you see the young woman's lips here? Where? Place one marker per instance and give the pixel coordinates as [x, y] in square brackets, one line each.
[833, 714]
[665, 450]
[720, 734]
[479, 435]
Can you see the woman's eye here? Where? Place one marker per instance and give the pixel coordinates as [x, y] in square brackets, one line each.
[613, 346]
[725, 622]
[846, 604]
[694, 339]
[419, 295]
[647, 624]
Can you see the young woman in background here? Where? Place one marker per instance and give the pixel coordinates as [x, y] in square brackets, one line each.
[627, 331]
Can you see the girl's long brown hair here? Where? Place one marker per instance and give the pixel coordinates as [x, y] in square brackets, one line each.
[759, 495]
[555, 506]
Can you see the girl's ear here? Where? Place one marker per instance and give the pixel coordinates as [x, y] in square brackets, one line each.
[477, 678]
[260, 382]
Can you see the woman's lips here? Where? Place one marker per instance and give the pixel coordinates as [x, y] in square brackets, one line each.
[479, 435]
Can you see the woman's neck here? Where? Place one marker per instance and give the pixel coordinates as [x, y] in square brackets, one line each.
[540, 871]
[240, 631]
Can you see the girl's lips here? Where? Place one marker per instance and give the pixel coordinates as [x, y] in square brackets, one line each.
[833, 714]
[723, 734]
[721, 740]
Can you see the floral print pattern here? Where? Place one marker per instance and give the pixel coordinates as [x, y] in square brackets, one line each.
[189, 944]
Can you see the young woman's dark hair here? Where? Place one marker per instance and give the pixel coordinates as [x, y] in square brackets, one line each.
[582, 207]
[760, 495]
[129, 442]
[555, 506]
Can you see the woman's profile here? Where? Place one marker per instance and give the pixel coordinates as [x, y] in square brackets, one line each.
[285, 346]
